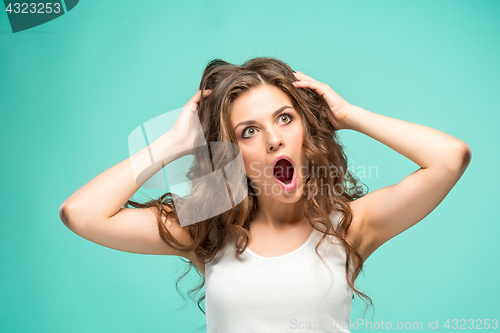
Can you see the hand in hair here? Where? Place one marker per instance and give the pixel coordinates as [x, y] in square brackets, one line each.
[187, 131]
[338, 105]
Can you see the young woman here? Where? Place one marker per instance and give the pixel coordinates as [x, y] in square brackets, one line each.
[286, 255]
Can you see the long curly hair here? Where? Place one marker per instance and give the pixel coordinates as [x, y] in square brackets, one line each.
[321, 147]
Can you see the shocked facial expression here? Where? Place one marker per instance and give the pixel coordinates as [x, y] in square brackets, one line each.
[269, 133]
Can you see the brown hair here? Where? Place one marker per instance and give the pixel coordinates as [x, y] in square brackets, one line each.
[227, 82]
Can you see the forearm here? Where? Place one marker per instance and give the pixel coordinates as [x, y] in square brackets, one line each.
[423, 145]
[106, 194]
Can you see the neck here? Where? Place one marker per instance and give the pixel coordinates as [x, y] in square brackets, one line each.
[277, 214]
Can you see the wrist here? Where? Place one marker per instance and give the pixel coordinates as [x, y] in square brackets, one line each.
[352, 114]
[166, 149]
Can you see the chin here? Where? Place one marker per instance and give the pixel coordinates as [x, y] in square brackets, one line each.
[277, 192]
[289, 199]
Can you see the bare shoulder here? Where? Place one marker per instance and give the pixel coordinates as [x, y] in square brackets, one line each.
[358, 234]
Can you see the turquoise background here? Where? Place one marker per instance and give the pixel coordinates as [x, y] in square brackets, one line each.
[73, 89]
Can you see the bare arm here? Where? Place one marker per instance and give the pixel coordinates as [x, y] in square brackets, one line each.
[425, 146]
[386, 212]
[104, 196]
[95, 210]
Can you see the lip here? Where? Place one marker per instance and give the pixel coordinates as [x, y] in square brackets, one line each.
[283, 157]
[293, 183]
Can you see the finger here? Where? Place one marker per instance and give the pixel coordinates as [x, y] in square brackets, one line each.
[304, 81]
[207, 92]
[314, 85]
[193, 103]
[321, 89]
[197, 96]
[302, 76]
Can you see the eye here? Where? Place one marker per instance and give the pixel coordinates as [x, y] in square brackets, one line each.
[281, 116]
[286, 115]
[244, 131]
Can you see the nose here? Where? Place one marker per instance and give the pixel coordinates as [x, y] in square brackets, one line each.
[274, 143]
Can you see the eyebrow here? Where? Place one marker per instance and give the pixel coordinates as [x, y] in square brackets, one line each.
[275, 113]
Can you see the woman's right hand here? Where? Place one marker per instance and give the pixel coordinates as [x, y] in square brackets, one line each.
[187, 131]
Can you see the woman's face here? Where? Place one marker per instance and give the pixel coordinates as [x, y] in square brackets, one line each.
[267, 126]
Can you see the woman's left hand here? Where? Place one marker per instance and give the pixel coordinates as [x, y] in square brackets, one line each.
[337, 104]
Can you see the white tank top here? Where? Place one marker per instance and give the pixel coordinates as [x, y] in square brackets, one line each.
[294, 292]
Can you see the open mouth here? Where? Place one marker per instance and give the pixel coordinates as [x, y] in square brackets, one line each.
[283, 171]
